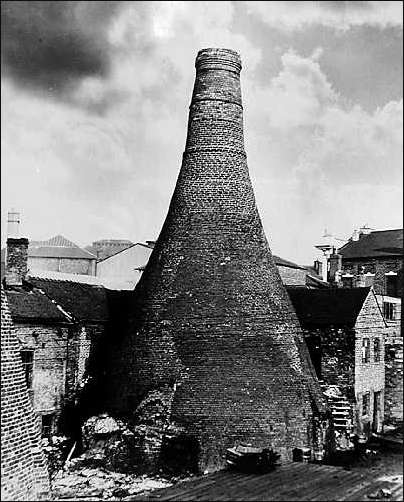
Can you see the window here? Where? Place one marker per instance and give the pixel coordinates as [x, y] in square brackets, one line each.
[347, 282]
[365, 350]
[388, 311]
[47, 425]
[27, 358]
[391, 285]
[376, 350]
[366, 404]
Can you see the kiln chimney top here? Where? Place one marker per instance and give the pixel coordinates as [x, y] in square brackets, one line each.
[218, 59]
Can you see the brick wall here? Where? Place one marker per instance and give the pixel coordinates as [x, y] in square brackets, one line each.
[211, 316]
[60, 359]
[23, 469]
[377, 266]
[16, 260]
[50, 348]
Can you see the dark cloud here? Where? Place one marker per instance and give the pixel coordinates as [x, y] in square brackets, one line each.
[51, 46]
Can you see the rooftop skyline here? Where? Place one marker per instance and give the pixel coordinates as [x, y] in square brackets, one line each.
[95, 100]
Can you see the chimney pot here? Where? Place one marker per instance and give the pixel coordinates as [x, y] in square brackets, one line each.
[13, 224]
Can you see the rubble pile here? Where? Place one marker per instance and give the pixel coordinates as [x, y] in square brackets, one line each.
[101, 484]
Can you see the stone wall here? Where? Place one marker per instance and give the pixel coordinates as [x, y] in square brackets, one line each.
[370, 376]
[393, 401]
[211, 317]
[23, 470]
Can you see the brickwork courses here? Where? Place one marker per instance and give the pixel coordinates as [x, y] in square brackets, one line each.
[211, 317]
[23, 470]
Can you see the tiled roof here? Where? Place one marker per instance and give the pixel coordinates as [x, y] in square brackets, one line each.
[86, 302]
[59, 252]
[281, 262]
[376, 244]
[65, 276]
[58, 240]
[33, 306]
[58, 247]
[334, 306]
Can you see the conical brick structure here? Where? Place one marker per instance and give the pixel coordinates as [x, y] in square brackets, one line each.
[212, 316]
[24, 474]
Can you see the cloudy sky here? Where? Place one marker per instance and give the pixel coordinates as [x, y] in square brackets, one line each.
[95, 99]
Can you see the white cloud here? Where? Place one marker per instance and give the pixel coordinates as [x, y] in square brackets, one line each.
[319, 162]
[339, 15]
[107, 167]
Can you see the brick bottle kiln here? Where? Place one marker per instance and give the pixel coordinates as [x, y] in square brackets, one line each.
[211, 317]
[24, 474]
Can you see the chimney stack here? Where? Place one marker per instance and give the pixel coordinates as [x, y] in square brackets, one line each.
[211, 318]
[318, 267]
[16, 251]
[335, 261]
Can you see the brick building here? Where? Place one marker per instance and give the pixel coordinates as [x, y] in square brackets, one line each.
[57, 322]
[211, 319]
[24, 473]
[345, 332]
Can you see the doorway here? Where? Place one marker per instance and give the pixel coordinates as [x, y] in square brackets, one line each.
[377, 422]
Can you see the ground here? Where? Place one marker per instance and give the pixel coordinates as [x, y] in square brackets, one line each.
[381, 465]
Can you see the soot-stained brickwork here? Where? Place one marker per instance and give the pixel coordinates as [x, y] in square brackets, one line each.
[211, 316]
[23, 470]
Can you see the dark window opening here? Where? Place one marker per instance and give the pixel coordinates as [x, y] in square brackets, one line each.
[391, 285]
[376, 348]
[27, 358]
[365, 404]
[388, 311]
[47, 425]
[347, 282]
[365, 350]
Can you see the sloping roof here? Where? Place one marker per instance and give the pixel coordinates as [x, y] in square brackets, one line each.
[58, 247]
[86, 302]
[321, 307]
[126, 249]
[376, 244]
[33, 306]
[281, 262]
[57, 240]
[65, 276]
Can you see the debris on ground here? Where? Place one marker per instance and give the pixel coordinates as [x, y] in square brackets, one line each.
[382, 493]
[102, 484]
